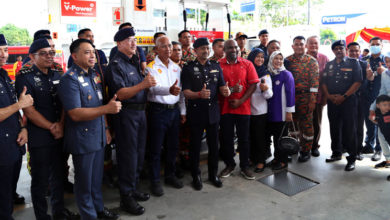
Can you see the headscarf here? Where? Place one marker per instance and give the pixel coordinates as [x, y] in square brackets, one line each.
[387, 54]
[271, 60]
[261, 70]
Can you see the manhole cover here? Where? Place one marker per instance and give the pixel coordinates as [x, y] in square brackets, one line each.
[288, 183]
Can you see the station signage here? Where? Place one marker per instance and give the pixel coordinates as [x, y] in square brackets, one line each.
[338, 19]
[78, 8]
[211, 35]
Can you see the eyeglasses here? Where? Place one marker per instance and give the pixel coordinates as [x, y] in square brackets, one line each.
[51, 53]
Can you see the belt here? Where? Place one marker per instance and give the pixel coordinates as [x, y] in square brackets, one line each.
[165, 106]
[301, 91]
[133, 106]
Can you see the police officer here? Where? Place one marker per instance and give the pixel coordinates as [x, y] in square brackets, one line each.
[124, 78]
[202, 80]
[342, 78]
[45, 126]
[85, 136]
[12, 133]
[263, 37]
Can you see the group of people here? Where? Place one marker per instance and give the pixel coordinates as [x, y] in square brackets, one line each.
[144, 102]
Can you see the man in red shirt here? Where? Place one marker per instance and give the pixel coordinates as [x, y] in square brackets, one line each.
[241, 77]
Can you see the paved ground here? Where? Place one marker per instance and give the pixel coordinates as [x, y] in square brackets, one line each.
[361, 194]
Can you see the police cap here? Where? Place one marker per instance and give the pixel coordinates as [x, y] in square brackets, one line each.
[123, 34]
[264, 31]
[201, 42]
[3, 41]
[338, 43]
[38, 44]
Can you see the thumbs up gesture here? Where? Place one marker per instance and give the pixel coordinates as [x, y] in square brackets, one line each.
[238, 87]
[174, 89]
[204, 93]
[149, 81]
[380, 69]
[25, 100]
[369, 73]
[225, 91]
[113, 106]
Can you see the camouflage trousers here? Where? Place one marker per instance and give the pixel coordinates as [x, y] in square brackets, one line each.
[303, 118]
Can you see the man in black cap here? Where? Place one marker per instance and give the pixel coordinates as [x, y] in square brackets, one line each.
[341, 79]
[13, 134]
[45, 123]
[202, 81]
[263, 37]
[241, 41]
[124, 78]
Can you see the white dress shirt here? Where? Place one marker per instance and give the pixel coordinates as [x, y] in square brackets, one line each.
[259, 105]
[165, 78]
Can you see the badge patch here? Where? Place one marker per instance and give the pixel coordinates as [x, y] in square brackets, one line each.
[159, 71]
[131, 73]
[331, 66]
[214, 71]
[346, 69]
[55, 82]
[85, 84]
[196, 69]
[37, 79]
[97, 79]
[81, 79]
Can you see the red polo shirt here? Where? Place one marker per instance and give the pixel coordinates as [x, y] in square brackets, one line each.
[241, 72]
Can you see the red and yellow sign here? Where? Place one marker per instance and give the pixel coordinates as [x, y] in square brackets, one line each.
[211, 35]
[147, 40]
[78, 8]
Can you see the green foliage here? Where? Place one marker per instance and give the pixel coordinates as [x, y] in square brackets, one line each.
[16, 36]
[326, 34]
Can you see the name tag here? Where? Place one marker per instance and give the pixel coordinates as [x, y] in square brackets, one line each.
[100, 96]
[214, 71]
[85, 84]
[81, 79]
[346, 69]
[55, 82]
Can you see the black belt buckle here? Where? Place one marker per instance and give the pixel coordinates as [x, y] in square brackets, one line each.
[165, 106]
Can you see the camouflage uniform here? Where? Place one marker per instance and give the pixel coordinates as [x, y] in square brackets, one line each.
[150, 56]
[214, 58]
[244, 53]
[188, 55]
[305, 72]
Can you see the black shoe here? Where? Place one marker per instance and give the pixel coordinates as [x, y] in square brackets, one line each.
[383, 164]
[197, 183]
[216, 181]
[367, 150]
[179, 173]
[350, 166]
[359, 157]
[68, 187]
[279, 166]
[315, 152]
[107, 214]
[289, 158]
[259, 170]
[18, 199]
[303, 156]
[174, 182]
[376, 156]
[388, 178]
[141, 196]
[129, 205]
[333, 158]
[66, 215]
[157, 189]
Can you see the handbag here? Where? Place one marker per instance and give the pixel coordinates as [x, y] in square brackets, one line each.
[288, 144]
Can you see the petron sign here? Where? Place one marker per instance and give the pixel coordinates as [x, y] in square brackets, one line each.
[78, 8]
[338, 19]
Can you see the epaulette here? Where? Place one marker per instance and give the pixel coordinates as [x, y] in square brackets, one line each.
[26, 70]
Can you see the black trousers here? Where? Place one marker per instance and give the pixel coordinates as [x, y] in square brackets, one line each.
[196, 133]
[6, 191]
[241, 123]
[342, 124]
[275, 130]
[258, 145]
[46, 169]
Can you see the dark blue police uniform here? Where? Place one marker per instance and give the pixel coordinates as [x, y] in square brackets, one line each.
[339, 77]
[369, 95]
[130, 122]
[46, 155]
[85, 140]
[10, 152]
[361, 107]
[203, 113]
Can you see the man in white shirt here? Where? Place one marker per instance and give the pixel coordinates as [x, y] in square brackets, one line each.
[167, 109]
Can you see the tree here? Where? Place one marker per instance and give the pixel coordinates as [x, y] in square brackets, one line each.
[327, 34]
[16, 36]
